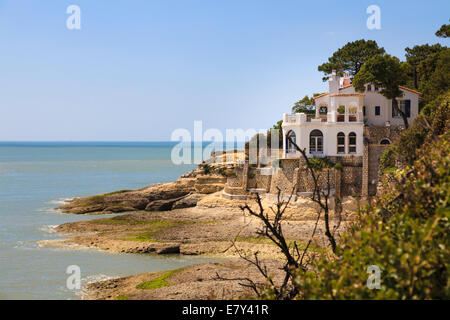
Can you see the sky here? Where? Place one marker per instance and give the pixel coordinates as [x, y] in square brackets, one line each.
[139, 69]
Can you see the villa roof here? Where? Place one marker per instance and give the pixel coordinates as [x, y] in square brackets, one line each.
[349, 85]
[347, 95]
[322, 95]
[411, 90]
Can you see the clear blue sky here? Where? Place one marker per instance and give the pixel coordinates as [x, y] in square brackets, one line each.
[138, 69]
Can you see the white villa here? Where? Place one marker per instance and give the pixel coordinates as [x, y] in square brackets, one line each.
[349, 128]
[337, 129]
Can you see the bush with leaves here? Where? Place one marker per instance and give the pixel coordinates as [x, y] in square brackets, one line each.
[406, 234]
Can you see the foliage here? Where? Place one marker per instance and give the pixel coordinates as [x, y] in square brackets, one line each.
[415, 56]
[351, 57]
[437, 80]
[406, 234]
[319, 164]
[279, 129]
[158, 282]
[444, 31]
[207, 169]
[352, 110]
[341, 109]
[305, 105]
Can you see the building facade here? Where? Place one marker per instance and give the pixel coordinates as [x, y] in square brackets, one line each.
[337, 128]
[348, 127]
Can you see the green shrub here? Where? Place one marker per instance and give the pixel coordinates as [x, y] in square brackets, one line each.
[406, 234]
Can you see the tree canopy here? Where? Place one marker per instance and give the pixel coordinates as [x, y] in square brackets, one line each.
[305, 105]
[417, 55]
[444, 31]
[351, 57]
[437, 81]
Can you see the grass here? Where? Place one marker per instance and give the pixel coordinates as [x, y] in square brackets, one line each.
[143, 237]
[158, 282]
[90, 201]
[123, 297]
[149, 227]
[154, 227]
[115, 192]
[95, 200]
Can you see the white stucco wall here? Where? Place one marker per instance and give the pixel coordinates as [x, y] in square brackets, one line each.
[373, 99]
[329, 131]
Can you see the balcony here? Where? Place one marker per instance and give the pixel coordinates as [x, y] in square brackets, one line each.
[331, 117]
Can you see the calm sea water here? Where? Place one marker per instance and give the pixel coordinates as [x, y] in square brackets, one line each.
[36, 177]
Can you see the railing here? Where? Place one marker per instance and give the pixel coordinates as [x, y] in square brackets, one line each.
[304, 118]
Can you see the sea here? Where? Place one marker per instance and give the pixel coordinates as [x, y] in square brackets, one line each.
[36, 177]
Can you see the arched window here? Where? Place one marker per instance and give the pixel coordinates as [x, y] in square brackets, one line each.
[385, 142]
[315, 142]
[290, 148]
[352, 142]
[340, 142]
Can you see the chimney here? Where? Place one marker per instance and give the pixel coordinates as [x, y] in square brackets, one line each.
[333, 83]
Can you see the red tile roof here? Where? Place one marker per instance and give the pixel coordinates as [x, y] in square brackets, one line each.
[319, 96]
[408, 89]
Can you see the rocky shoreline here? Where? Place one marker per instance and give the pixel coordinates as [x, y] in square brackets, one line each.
[189, 217]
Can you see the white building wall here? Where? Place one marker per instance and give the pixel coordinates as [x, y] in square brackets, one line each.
[329, 131]
[373, 99]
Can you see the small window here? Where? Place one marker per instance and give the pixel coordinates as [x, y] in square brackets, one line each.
[341, 143]
[364, 111]
[377, 110]
[385, 142]
[352, 142]
[369, 88]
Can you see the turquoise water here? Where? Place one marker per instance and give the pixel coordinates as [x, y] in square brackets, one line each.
[36, 177]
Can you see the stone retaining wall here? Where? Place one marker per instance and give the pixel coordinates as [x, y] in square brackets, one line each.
[358, 175]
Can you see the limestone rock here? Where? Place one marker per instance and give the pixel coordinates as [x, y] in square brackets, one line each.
[188, 201]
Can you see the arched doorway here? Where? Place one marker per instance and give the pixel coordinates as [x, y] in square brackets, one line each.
[316, 142]
[290, 136]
